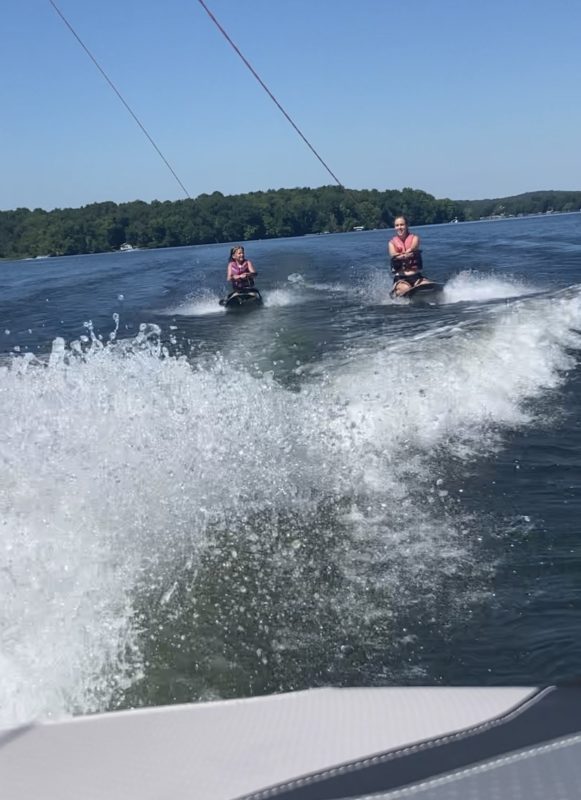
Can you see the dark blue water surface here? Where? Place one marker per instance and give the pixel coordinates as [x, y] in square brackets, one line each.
[335, 489]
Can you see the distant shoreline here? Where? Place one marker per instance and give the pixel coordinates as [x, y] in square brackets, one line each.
[274, 214]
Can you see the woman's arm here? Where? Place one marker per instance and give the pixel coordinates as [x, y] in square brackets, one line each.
[415, 245]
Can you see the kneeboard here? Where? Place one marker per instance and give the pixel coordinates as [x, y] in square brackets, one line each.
[242, 298]
[425, 293]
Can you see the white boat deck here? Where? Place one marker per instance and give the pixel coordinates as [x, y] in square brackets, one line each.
[226, 749]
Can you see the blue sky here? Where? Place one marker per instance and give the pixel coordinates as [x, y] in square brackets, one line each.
[462, 99]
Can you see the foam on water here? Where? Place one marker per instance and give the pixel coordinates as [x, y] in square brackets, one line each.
[279, 298]
[200, 305]
[208, 302]
[116, 461]
[112, 463]
[299, 281]
[467, 286]
[329, 288]
[377, 287]
[475, 286]
[461, 384]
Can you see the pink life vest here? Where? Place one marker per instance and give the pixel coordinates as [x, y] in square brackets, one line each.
[412, 262]
[240, 269]
[401, 245]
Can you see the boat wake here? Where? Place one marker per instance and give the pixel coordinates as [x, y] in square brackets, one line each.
[149, 541]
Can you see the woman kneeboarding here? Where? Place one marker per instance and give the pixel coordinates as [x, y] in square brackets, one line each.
[406, 259]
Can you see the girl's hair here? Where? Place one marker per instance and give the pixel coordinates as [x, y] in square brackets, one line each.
[402, 216]
[233, 250]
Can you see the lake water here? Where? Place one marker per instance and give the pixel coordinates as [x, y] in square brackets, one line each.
[336, 489]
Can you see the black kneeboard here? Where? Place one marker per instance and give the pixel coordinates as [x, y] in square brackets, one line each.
[242, 298]
[425, 293]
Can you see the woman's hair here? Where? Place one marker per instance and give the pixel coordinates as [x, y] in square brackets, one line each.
[402, 216]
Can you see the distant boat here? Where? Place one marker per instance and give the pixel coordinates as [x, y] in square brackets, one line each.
[126, 247]
[453, 220]
[359, 228]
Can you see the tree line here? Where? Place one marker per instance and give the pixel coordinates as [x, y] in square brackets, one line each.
[215, 218]
[528, 203]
